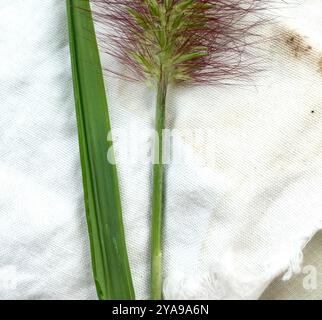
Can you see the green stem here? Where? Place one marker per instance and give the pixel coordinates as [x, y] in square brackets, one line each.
[157, 197]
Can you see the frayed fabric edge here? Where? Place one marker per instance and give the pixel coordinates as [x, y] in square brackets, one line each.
[214, 285]
[296, 261]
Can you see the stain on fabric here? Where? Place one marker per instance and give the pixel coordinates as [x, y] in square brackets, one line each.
[297, 43]
[299, 46]
[320, 64]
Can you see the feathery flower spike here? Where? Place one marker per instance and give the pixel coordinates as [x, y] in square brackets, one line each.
[178, 41]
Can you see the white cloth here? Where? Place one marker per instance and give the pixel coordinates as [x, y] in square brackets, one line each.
[43, 242]
[242, 200]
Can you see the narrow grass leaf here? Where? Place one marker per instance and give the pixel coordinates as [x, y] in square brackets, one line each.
[101, 190]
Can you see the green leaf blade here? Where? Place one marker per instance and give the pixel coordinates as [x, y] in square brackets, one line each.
[101, 190]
